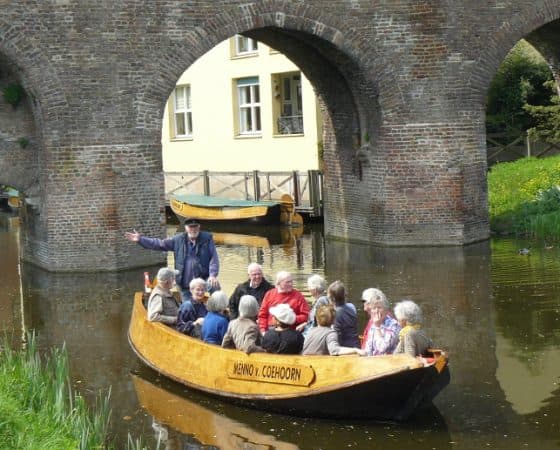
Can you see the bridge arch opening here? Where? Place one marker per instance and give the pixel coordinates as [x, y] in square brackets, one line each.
[348, 113]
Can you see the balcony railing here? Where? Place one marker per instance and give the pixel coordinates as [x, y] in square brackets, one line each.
[290, 125]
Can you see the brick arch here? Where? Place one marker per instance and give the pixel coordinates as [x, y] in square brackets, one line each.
[520, 25]
[303, 23]
[37, 75]
[329, 60]
[45, 99]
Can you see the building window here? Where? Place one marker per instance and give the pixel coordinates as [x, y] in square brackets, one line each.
[249, 105]
[182, 111]
[244, 45]
[287, 93]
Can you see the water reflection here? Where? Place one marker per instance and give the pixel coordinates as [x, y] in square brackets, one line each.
[201, 421]
[205, 425]
[496, 311]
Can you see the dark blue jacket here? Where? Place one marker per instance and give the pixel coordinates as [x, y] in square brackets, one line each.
[198, 261]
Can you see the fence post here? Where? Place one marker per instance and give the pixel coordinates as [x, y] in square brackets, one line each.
[206, 182]
[297, 195]
[256, 185]
[528, 145]
[314, 192]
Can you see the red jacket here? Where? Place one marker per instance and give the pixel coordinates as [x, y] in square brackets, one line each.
[294, 298]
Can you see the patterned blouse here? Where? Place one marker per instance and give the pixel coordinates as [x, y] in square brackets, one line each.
[383, 340]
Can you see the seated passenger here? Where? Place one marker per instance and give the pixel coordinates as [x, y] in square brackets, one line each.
[317, 287]
[282, 338]
[369, 296]
[323, 340]
[412, 340]
[192, 312]
[256, 285]
[216, 321]
[383, 335]
[284, 292]
[162, 306]
[346, 320]
[243, 333]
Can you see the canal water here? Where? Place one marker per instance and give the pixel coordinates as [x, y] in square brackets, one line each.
[496, 311]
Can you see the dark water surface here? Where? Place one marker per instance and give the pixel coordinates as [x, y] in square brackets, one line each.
[497, 312]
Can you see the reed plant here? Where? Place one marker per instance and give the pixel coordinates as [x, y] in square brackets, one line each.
[524, 198]
[40, 410]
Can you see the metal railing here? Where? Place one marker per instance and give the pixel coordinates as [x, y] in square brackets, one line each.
[306, 188]
[290, 124]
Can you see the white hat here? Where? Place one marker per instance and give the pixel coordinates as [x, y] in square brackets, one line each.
[283, 313]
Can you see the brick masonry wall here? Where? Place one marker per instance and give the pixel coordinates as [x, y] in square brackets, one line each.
[402, 85]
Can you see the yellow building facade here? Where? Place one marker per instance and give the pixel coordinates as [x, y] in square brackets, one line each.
[242, 107]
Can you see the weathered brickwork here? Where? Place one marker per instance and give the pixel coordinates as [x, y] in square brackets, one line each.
[402, 86]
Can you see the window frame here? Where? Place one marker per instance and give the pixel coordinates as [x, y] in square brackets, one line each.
[186, 112]
[252, 45]
[250, 120]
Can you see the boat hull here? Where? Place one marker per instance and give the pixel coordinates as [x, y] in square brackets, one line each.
[282, 212]
[387, 387]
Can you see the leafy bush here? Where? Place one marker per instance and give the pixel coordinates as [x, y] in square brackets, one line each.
[524, 198]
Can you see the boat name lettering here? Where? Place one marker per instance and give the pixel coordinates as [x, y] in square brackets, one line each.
[282, 373]
[298, 375]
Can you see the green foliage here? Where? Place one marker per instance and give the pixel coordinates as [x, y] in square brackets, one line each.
[546, 118]
[524, 198]
[38, 408]
[13, 94]
[519, 80]
[23, 142]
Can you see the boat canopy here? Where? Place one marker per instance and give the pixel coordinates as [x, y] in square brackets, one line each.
[220, 202]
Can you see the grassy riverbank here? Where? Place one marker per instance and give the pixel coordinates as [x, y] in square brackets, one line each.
[38, 408]
[524, 198]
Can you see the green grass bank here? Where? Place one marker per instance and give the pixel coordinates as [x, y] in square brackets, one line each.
[40, 410]
[524, 198]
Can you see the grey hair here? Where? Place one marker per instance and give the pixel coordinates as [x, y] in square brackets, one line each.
[217, 302]
[317, 282]
[248, 306]
[197, 282]
[282, 275]
[409, 311]
[165, 274]
[254, 265]
[374, 296]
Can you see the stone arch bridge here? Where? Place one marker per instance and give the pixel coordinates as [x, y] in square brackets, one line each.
[402, 86]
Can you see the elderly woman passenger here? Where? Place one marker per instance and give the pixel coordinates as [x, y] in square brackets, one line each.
[323, 340]
[383, 334]
[282, 338]
[317, 287]
[346, 320]
[162, 305]
[216, 321]
[412, 339]
[243, 333]
[192, 312]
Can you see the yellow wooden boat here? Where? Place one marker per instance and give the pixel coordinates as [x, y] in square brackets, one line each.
[207, 426]
[204, 207]
[383, 387]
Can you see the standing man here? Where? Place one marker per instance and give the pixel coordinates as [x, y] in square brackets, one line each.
[195, 255]
[256, 286]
